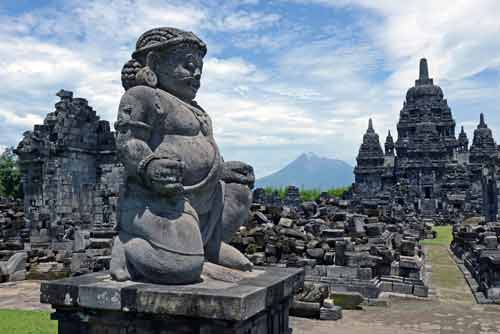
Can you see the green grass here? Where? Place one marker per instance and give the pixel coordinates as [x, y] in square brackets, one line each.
[26, 322]
[446, 277]
[308, 194]
[443, 238]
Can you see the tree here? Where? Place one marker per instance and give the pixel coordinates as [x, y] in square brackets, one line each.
[10, 176]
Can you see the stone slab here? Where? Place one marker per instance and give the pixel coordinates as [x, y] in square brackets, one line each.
[331, 313]
[420, 291]
[402, 288]
[209, 299]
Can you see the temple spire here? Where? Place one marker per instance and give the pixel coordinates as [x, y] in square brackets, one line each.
[370, 126]
[424, 70]
[483, 144]
[482, 124]
[463, 141]
[389, 144]
[423, 76]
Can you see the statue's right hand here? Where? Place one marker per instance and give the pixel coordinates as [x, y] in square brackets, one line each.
[165, 176]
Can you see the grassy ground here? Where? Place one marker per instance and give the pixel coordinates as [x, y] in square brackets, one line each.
[308, 194]
[447, 279]
[26, 322]
[443, 237]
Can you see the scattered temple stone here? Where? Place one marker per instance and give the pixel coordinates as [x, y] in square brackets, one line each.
[347, 300]
[476, 248]
[330, 311]
[14, 269]
[340, 248]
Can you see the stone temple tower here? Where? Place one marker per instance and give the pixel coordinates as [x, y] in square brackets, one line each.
[427, 169]
[370, 164]
[426, 139]
[463, 141]
[483, 145]
[482, 154]
[71, 175]
[389, 145]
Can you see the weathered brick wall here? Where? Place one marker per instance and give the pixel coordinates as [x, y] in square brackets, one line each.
[71, 180]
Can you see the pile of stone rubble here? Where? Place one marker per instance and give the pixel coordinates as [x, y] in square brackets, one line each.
[28, 251]
[341, 250]
[14, 232]
[475, 245]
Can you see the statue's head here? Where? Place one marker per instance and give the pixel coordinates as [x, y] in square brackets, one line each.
[167, 58]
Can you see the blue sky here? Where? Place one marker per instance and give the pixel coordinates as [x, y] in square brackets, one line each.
[280, 78]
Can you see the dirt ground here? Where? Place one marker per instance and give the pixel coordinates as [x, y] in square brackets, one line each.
[407, 317]
[451, 309]
[23, 295]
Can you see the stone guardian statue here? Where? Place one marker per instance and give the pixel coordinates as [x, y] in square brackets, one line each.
[181, 201]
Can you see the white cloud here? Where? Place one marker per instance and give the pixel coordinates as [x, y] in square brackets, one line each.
[217, 70]
[30, 63]
[243, 20]
[459, 38]
[274, 86]
[27, 120]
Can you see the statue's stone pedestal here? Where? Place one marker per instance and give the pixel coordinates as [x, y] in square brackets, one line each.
[94, 304]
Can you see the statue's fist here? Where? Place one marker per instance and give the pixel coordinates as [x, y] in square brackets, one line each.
[165, 176]
[238, 172]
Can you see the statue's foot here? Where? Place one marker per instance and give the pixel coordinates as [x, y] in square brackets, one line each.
[232, 258]
[225, 274]
[120, 275]
[118, 266]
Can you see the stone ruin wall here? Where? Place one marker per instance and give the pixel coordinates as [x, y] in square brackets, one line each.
[71, 182]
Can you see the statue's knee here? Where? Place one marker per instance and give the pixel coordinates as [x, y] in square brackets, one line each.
[238, 195]
[161, 266]
[237, 201]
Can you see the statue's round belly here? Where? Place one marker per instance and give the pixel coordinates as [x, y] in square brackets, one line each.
[196, 152]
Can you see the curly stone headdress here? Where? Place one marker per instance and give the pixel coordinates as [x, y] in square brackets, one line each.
[154, 39]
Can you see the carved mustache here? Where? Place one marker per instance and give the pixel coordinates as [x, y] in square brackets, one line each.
[188, 80]
[191, 81]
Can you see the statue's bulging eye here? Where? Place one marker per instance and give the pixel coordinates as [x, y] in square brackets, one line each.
[127, 108]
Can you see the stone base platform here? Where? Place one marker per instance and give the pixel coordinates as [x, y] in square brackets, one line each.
[95, 304]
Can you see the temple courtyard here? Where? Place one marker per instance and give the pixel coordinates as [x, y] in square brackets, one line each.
[450, 309]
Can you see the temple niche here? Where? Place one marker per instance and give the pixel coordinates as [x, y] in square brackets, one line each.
[427, 169]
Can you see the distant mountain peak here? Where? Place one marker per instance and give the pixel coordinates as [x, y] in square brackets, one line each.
[309, 155]
[311, 171]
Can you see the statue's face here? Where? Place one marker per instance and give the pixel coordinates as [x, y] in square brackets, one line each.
[179, 71]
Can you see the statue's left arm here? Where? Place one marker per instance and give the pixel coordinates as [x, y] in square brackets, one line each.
[238, 172]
